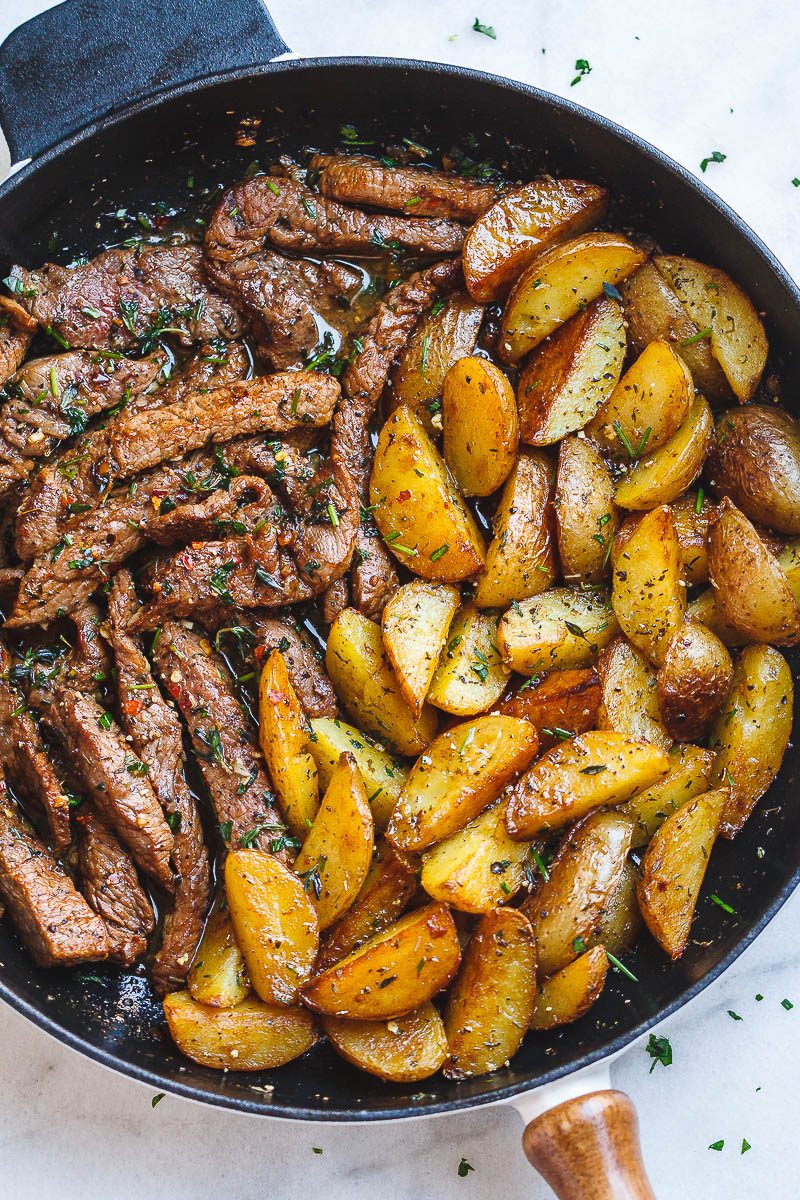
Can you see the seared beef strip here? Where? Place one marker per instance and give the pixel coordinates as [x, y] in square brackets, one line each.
[126, 297]
[358, 179]
[52, 918]
[156, 736]
[111, 885]
[89, 663]
[16, 334]
[306, 672]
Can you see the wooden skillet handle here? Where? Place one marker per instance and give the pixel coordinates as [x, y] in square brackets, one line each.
[588, 1149]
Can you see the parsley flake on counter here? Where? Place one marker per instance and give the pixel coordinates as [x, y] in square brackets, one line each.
[583, 67]
[787, 1004]
[317, 1149]
[745, 1146]
[464, 1168]
[490, 32]
[734, 1015]
[716, 156]
[717, 1145]
[660, 1050]
[159, 1096]
[796, 182]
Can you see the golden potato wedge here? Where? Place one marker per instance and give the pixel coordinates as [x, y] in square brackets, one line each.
[648, 404]
[693, 682]
[337, 853]
[401, 1050]
[560, 705]
[274, 923]
[383, 775]
[253, 1036]
[674, 866]
[621, 920]
[663, 475]
[717, 304]
[283, 733]
[586, 516]
[491, 1003]
[569, 377]
[755, 460]
[417, 506]
[567, 906]
[470, 676]
[520, 561]
[218, 976]
[692, 515]
[789, 560]
[559, 283]
[522, 224]
[461, 772]
[394, 972]
[591, 770]
[690, 774]
[752, 732]
[415, 624]
[367, 686]
[479, 419]
[571, 992]
[565, 627]
[388, 889]
[750, 586]
[705, 610]
[630, 698]
[648, 594]
[446, 334]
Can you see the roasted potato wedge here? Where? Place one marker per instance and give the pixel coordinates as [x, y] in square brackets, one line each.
[714, 302]
[471, 675]
[565, 627]
[461, 772]
[693, 682]
[692, 515]
[283, 731]
[388, 889]
[591, 770]
[417, 506]
[648, 594]
[648, 404]
[586, 516]
[569, 377]
[446, 334]
[705, 610]
[674, 866]
[415, 624]
[789, 560]
[479, 419]
[663, 475]
[367, 686]
[394, 972]
[522, 224]
[520, 561]
[752, 731]
[630, 698]
[621, 920]
[218, 976]
[560, 705]
[492, 1001]
[690, 774]
[383, 775]
[401, 1050]
[253, 1036]
[559, 283]
[755, 460]
[274, 923]
[571, 992]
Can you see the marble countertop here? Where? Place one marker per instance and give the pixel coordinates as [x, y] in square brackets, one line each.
[692, 78]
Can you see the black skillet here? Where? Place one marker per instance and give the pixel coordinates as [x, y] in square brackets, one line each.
[134, 103]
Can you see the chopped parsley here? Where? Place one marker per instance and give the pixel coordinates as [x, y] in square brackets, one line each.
[611, 291]
[105, 720]
[716, 156]
[464, 1168]
[583, 67]
[722, 904]
[487, 31]
[660, 1050]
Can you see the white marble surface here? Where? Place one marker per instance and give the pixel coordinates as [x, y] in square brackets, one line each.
[693, 78]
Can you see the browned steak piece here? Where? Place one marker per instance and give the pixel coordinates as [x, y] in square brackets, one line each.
[110, 884]
[16, 334]
[281, 212]
[359, 179]
[223, 737]
[306, 672]
[52, 918]
[126, 297]
[156, 736]
[336, 599]
[89, 663]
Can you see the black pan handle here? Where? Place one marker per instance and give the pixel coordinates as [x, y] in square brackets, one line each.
[85, 58]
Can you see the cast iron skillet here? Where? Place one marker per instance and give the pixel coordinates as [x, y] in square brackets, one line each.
[71, 69]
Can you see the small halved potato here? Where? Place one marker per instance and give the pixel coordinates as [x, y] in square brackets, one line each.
[648, 404]
[388, 889]
[461, 772]
[565, 627]
[253, 1036]
[693, 681]
[630, 698]
[446, 334]
[274, 922]
[755, 459]
[692, 515]
[479, 419]
[470, 676]
[586, 516]
[560, 705]
[690, 774]
[559, 283]
[415, 623]
[520, 561]
[283, 729]
[648, 592]
[492, 1001]
[752, 731]
[367, 686]
[663, 475]
[383, 775]
[568, 378]
[705, 610]
[401, 1050]
[674, 866]
[571, 992]
[417, 506]
[394, 972]
[715, 303]
[620, 922]
[520, 225]
[218, 976]
[594, 769]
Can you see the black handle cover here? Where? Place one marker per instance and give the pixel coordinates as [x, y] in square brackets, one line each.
[85, 58]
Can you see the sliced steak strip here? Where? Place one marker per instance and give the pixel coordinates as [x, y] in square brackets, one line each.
[110, 884]
[359, 179]
[52, 918]
[16, 334]
[126, 297]
[156, 736]
[306, 671]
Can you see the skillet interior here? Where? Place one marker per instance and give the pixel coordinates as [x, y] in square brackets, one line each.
[53, 209]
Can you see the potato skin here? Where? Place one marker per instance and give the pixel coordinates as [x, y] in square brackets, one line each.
[586, 516]
[565, 700]
[479, 416]
[693, 682]
[755, 460]
[439, 340]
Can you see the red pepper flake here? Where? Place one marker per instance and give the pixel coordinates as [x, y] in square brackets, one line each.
[404, 495]
[132, 708]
